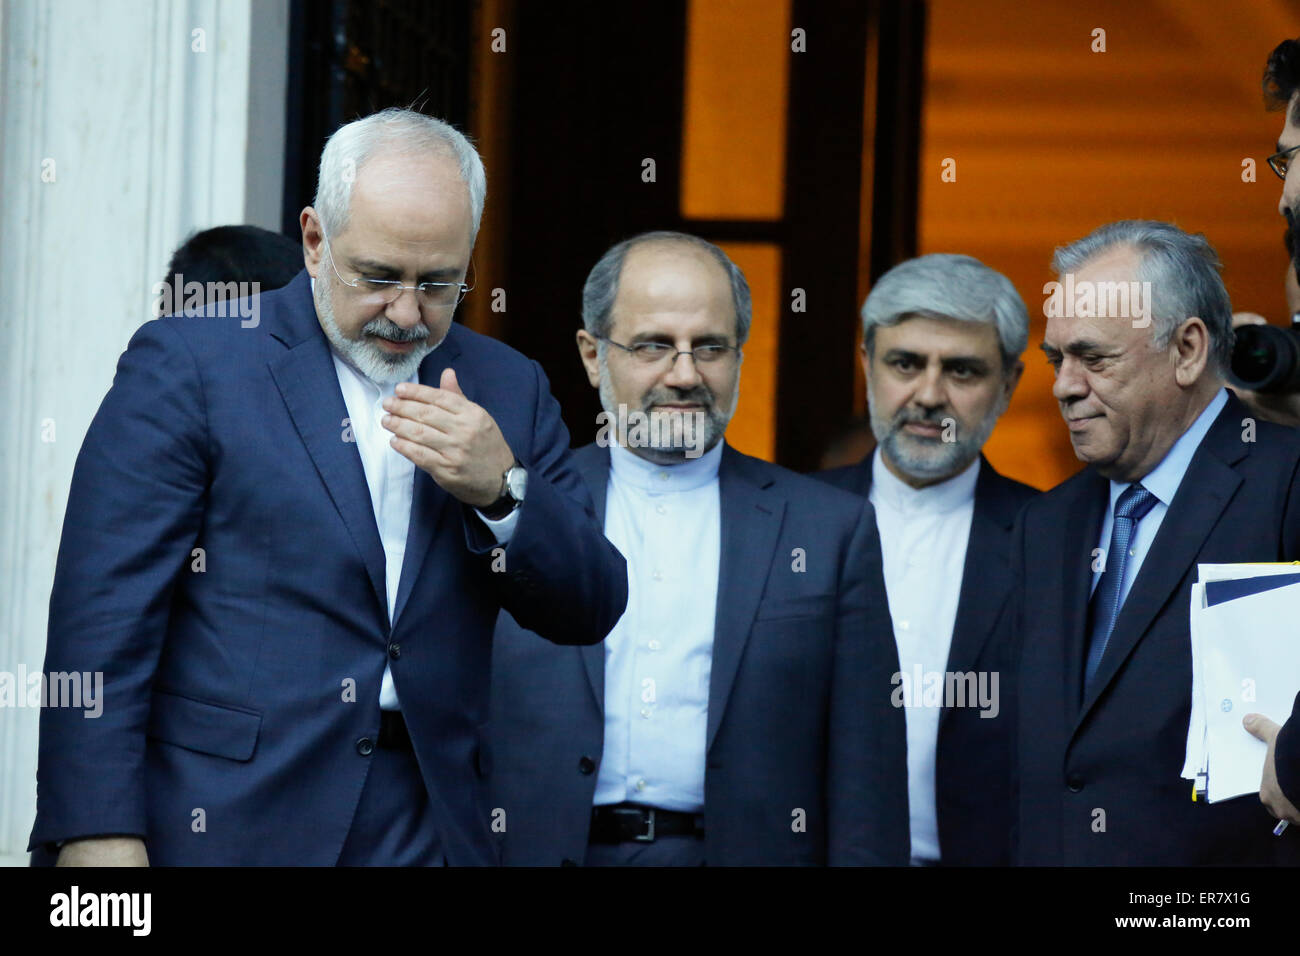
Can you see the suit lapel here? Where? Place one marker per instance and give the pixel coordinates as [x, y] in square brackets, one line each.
[430, 505]
[308, 383]
[1200, 501]
[1079, 539]
[751, 522]
[986, 573]
[592, 462]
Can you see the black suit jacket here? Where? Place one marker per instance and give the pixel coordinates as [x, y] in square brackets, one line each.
[1286, 754]
[1100, 779]
[806, 759]
[973, 757]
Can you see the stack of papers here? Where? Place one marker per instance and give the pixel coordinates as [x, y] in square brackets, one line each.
[1245, 628]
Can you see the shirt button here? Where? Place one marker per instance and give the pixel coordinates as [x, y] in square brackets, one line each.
[663, 476]
[658, 575]
[654, 645]
[903, 625]
[640, 785]
[661, 509]
[645, 712]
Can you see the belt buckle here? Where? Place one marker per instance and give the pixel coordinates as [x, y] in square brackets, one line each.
[649, 835]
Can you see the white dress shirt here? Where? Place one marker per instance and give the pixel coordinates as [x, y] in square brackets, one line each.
[390, 477]
[667, 522]
[1162, 481]
[923, 538]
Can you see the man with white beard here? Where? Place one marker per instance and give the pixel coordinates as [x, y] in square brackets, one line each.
[942, 339]
[738, 713]
[286, 546]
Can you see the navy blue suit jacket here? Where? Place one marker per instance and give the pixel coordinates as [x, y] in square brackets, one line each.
[973, 756]
[245, 689]
[1099, 775]
[799, 715]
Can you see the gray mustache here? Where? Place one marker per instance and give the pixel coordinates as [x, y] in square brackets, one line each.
[394, 332]
[910, 418]
[698, 396]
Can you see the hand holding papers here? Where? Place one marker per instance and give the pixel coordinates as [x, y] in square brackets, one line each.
[1245, 632]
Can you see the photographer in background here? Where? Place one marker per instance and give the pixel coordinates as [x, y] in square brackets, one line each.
[1280, 407]
[1279, 788]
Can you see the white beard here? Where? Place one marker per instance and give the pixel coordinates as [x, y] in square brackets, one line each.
[380, 367]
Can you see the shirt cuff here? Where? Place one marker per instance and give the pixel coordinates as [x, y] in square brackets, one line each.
[503, 529]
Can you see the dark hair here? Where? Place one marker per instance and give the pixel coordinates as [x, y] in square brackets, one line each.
[237, 254]
[1282, 76]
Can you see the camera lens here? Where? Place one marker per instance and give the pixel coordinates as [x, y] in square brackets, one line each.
[1266, 359]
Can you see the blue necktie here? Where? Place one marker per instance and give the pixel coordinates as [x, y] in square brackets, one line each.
[1133, 504]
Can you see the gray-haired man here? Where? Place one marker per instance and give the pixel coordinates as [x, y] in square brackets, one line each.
[1179, 473]
[942, 339]
[350, 477]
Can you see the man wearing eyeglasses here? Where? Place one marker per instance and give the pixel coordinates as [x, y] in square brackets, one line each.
[286, 547]
[1279, 789]
[739, 713]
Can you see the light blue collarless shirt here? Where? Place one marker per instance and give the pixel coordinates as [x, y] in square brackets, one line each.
[1162, 481]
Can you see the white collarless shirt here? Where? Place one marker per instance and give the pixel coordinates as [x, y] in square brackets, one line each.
[667, 522]
[923, 537]
[390, 476]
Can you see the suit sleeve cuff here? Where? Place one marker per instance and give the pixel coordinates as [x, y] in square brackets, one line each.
[503, 529]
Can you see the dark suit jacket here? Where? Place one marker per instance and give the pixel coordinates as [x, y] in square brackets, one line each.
[1286, 754]
[799, 716]
[973, 756]
[1114, 757]
[247, 689]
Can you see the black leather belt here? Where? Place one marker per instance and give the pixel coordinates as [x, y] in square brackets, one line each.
[393, 734]
[628, 822]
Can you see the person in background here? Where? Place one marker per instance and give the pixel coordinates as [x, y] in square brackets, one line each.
[1279, 789]
[739, 713]
[239, 254]
[941, 346]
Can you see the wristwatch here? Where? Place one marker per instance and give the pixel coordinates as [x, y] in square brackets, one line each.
[513, 484]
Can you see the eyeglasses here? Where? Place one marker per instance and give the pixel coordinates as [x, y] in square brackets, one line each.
[656, 353]
[1280, 161]
[434, 295]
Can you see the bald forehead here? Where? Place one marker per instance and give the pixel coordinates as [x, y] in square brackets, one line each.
[672, 274]
[667, 254]
[663, 279]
